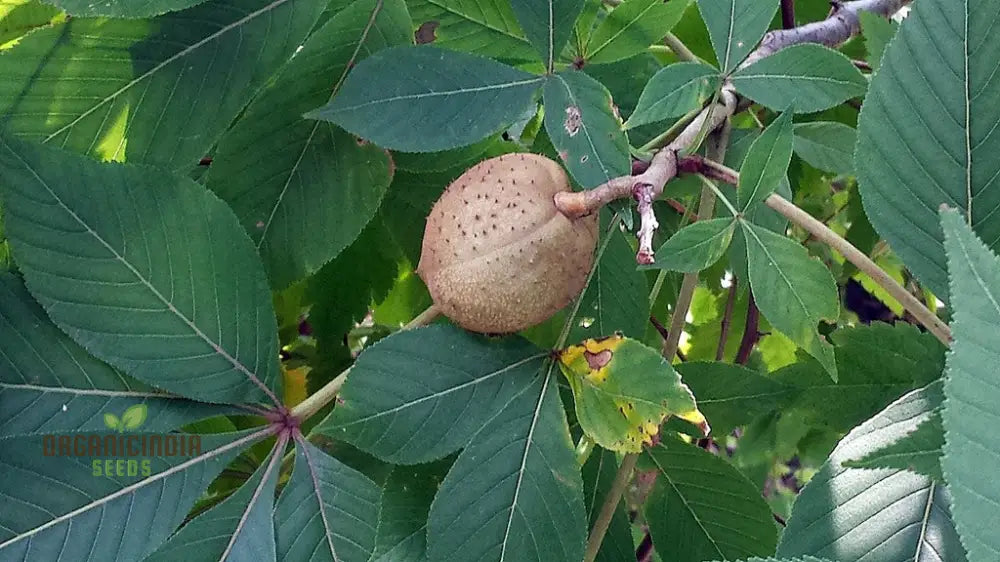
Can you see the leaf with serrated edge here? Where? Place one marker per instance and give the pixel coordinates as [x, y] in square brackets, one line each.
[708, 502]
[944, 151]
[419, 395]
[327, 511]
[64, 388]
[809, 77]
[515, 492]
[304, 190]
[54, 501]
[238, 528]
[971, 387]
[122, 8]
[624, 390]
[397, 96]
[918, 451]
[172, 84]
[108, 247]
[855, 515]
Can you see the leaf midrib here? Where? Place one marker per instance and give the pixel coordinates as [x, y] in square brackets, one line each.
[145, 282]
[182, 53]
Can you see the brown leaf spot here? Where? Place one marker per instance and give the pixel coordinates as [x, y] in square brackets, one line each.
[573, 120]
[425, 33]
[598, 360]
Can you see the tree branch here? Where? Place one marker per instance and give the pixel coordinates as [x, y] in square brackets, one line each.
[822, 232]
[842, 24]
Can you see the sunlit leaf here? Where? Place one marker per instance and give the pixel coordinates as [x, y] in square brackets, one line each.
[158, 91]
[971, 386]
[303, 189]
[855, 514]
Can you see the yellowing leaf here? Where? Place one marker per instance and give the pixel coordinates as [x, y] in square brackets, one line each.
[624, 390]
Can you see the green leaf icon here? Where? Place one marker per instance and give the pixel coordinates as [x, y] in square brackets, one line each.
[111, 421]
[134, 416]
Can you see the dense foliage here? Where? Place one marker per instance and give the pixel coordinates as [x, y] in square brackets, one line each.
[214, 343]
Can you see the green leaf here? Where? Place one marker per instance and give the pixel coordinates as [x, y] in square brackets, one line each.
[854, 515]
[239, 527]
[52, 501]
[877, 31]
[617, 297]
[632, 27]
[732, 395]
[809, 77]
[796, 559]
[826, 145]
[735, 27]
[109, 247]
[515, 492]
[425, 99]
[908, 359]
[696, 246]
[49, 384]
[419, 395]
[944, 151]
[158, 91]
[122, 8]
[18, 17]
[134, 417]
[584, 129]
[703, 508]
[547, 24]
[766, 163]
[302, 189]
[918, 451]
[598, 475]
[481, 27]
[674, 91]
[406, 501]
[623, 391]
[793, 290]
[327, 511]
[971, 388]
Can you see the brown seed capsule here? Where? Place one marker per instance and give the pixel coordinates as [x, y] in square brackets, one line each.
[527, 260]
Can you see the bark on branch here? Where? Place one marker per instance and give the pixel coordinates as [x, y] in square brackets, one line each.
[842, 24]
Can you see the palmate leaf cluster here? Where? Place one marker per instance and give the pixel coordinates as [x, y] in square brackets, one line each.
[210, 213]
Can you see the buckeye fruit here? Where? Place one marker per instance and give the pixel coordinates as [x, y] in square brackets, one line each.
[497, 255]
